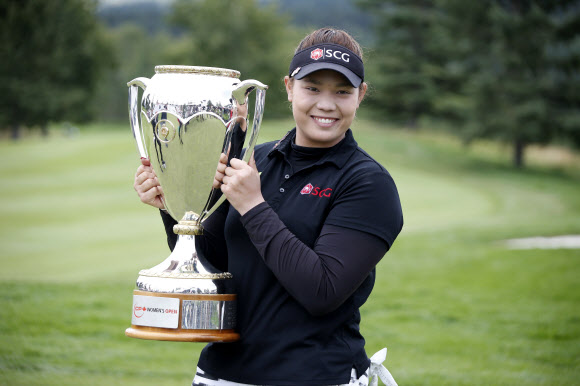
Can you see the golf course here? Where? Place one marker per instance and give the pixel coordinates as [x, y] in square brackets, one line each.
[453, 302]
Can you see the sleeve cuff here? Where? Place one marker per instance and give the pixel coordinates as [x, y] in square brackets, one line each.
[255, 211]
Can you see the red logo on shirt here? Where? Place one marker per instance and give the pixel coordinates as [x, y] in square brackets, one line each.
[307, 189]
[316, 191]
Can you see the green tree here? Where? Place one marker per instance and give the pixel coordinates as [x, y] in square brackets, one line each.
[508, 72]
[507, 66]
[501, 69]
[52, 57]
[403, 67]
[240, 35]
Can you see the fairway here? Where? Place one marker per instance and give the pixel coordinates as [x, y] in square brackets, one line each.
[452, 303]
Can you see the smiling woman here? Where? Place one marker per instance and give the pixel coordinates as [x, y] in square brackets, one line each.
[325, 86]
[305, 223]
[324, 104]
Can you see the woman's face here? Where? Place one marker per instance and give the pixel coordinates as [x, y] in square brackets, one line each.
[324, 104]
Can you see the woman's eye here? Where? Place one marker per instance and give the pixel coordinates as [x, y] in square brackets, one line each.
[314, 89]
[344, 92]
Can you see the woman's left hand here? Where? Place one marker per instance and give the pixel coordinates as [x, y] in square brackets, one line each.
[241, 185]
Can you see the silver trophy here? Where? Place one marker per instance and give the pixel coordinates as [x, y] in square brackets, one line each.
[189, 117]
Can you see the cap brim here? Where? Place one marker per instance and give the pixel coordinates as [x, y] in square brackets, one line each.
[308, 69]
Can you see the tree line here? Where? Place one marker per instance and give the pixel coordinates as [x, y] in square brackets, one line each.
[502, 69]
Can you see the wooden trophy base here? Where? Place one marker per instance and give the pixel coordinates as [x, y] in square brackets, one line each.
[154, 333]
[181, 334]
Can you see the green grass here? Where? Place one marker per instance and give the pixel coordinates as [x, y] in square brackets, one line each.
[451, 303]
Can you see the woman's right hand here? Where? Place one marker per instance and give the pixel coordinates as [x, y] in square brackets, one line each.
[147, 185]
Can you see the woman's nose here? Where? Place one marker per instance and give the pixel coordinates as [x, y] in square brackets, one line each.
[326, 103]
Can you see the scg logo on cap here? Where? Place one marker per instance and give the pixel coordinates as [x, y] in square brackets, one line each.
[319, 53]
[316, 54]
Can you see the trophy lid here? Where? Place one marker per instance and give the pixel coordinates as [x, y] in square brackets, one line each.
[174, 69]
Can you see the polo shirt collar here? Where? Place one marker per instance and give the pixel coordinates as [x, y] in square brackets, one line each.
[338, 155]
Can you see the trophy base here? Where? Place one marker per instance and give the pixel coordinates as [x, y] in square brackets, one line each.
[154, 333]
[182, 317]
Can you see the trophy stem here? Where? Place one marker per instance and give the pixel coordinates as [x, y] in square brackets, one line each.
[188, 225]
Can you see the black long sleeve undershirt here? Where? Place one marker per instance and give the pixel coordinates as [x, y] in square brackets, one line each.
[168, 223]
[323, 277]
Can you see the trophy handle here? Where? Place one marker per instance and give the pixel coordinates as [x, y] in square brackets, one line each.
[134, 113]
[240, 94]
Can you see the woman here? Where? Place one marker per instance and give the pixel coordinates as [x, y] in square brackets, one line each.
[305, 223]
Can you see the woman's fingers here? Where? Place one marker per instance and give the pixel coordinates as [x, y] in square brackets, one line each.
[152, 197]
[144, 176]
[236, 166]
[145, 182]
[140, 169]
[241, 185]
[220, 171]
[147, 185]
[252, 162]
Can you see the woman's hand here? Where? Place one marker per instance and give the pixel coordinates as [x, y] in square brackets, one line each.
[241, 184]
[147, 185]
[220, 171]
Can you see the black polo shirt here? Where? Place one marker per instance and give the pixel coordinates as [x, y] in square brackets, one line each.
[281, 342]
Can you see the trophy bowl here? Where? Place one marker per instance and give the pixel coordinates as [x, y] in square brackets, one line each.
[189, 117]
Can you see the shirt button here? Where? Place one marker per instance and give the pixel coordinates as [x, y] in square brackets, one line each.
[281, 190]
[287, 176]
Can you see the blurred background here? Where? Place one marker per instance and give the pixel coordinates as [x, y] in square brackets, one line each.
[474, 108]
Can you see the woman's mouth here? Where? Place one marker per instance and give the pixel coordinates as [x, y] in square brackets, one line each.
[325, 121]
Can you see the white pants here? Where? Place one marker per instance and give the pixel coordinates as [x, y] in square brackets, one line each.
[370, 377]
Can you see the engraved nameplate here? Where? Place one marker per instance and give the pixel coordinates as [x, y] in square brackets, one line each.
[155, 311]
